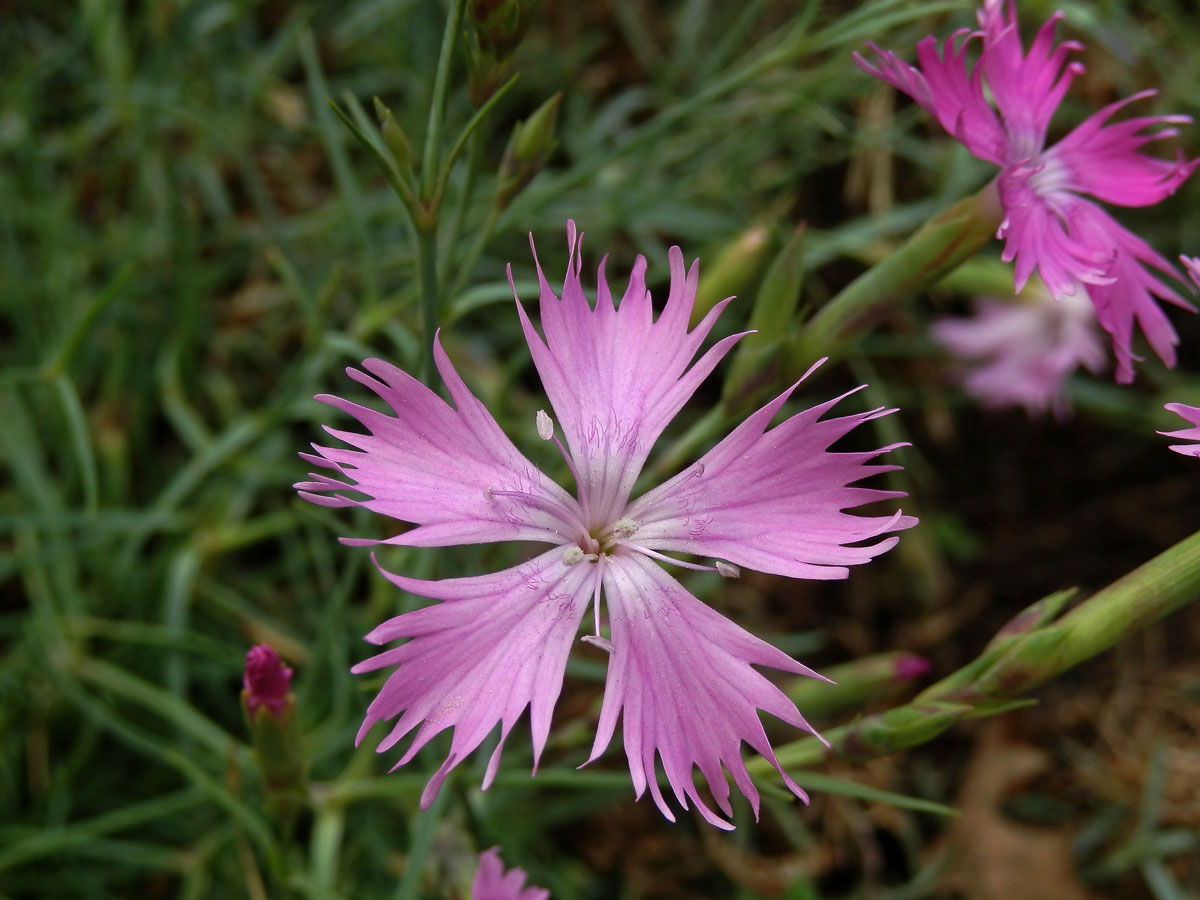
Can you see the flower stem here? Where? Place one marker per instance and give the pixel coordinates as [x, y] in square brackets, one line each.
[431, 163]
[470, 178]
[432, 158]
[467, 266]
[428, 277]
[938, 247]
[1028, 652]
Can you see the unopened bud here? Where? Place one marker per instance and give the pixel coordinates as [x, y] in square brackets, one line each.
[501, 24]
[733, 268]
[529, 147]
[545, 425]
[869, 679]
[498, 27]
[267, 681]
[270, 708]
[910, 667]
[393, 135]
[754, 361]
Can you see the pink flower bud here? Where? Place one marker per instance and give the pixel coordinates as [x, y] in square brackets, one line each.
[267, 680]
[910, 667]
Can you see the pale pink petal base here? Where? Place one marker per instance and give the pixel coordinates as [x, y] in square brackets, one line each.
[680, 676]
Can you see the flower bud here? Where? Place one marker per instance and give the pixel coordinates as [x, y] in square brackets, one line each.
[735, 266]
[393, 135]
[267, 681]
[856, 683]
[270, 708]
[529, 147]
[497, 29]
[754, 362]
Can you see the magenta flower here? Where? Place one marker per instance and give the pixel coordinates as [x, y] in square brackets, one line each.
[1048, 225]
[1020, 352]
[1192, 414]
[679, 673]
[266, 680]
[493, 883]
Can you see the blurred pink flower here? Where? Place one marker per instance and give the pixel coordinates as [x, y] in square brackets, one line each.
[1191, 265]
[679, 672]
[1048, 226]
[1020, 352]
[266, 680]
[493, 883]
[1192, 415]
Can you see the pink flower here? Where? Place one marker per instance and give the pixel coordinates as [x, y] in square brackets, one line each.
[1020, 352]
[1192, 414]
[1191, 265]
[680, 674]
[1048, 226]
[266, 680]
[493, 883]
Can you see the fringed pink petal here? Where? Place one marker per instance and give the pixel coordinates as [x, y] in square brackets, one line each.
[1036, 235]
[616, 377]
[1192, 415]
[1027, 88]
[681, 677]
[1105, 160]
[947, 90]
[494, 645]
[449, 470]
[774, 500]
[1134, 293]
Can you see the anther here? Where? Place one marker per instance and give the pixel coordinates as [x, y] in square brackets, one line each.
[572, 555]
[597, 641]
[623, 529]
[545, 426]
[729, 570]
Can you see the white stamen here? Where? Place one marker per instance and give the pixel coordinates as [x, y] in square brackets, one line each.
[545, 426]
[597, 641]
[662, 557]
[729, 570]
[572, 555]
[623, 529]
[600, 560]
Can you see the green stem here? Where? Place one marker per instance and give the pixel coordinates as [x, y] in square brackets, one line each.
[938, 247]
[427, 275]
[1016, 661]
[470, 179]
[1161, 586]
[421, 831]
[467, 267]
[432, 159]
